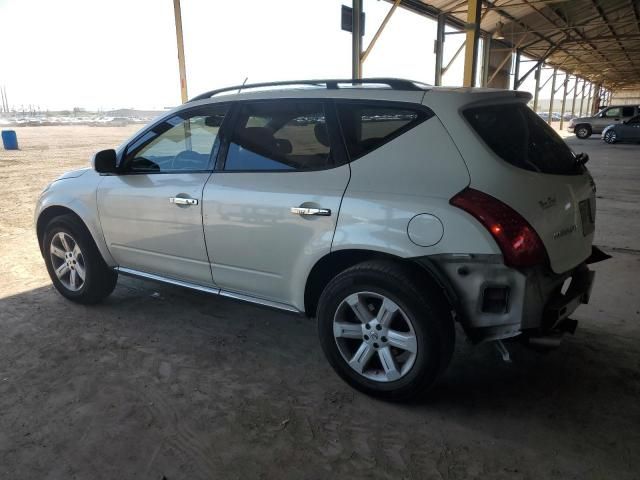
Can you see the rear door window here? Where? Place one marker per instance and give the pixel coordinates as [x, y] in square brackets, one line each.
[520, 137]
[628, 111]
[369, 125]
[283, 135]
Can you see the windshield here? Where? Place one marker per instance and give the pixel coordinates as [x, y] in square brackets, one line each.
[520, 137]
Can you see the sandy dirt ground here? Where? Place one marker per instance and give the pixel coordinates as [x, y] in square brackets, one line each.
[160, 382]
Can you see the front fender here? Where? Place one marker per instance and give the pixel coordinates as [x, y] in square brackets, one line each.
[77, 195]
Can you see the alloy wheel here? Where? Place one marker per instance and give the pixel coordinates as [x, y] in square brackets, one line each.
[375, 336]
[610, 136]
[582, 132]
[67, 261]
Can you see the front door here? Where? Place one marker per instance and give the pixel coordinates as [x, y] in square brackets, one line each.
[270, 208]
[151, 212]
[630, 130]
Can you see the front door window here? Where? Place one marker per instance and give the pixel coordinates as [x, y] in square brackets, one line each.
[183, 142]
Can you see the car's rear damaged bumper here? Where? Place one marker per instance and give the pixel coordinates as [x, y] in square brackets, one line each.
[494, 301]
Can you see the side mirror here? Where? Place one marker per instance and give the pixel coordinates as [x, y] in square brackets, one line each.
[104, 161]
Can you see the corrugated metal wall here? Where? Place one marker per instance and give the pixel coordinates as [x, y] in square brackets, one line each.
[626, 97]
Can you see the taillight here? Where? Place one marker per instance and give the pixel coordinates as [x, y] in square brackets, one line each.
[520, 244]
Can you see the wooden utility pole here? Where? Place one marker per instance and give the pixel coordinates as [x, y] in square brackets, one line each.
[181, 64]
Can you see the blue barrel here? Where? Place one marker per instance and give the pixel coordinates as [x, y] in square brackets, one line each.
[9, 139]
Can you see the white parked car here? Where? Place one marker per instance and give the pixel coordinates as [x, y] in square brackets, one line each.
[387, 209]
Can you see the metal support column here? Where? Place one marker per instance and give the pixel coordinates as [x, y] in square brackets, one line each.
[584, 84]
[474, 7]
[516, 70]
[564, 99]
[589, 99]
[553, 93]
[573, 102]
[356, 40]
[598, 100]
[439, 49]
[181, 63]
[486, 54]
[537, 88]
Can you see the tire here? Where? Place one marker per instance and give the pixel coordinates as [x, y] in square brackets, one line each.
[421, 323]
[610, 137]
[583, 131]
[67, 247]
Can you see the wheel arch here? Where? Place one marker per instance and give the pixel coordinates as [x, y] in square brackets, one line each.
[326, 268]
[53, 211]
[584, 124]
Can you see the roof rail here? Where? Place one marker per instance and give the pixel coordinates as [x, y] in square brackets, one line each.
[393, 83]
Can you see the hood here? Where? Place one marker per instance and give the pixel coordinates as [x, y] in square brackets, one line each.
[73, 174]
[581, 119]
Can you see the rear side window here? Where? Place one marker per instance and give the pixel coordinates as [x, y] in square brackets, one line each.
[628, 111]
[519, 136]
[367, 126]
[282, 135]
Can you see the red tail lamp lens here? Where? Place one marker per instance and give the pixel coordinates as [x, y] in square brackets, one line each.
[520, 244]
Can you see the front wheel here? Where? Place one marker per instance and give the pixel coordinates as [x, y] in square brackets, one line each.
[583, 131]
[74, 263]
[383, 334]
[610, 137]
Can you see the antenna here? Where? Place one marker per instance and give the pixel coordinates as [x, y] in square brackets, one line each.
[243, 84]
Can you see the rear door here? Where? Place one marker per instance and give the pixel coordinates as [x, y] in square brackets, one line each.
[271, 206]
[629, 130]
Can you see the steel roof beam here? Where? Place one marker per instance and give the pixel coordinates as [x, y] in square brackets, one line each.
[579, 33]
[611, 29]
[624, 36]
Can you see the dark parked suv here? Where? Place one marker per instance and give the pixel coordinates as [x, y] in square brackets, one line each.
[583, 127]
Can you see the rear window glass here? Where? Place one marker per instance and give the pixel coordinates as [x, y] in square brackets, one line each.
[280, 135]
[519, 136]
[628, 111]
[367, 126]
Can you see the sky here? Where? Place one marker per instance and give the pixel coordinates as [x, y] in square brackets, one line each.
[98, 54]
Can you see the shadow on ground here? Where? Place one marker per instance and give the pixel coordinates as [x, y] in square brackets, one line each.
[161, 381]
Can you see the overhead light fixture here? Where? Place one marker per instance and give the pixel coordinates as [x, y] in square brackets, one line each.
[498, 34]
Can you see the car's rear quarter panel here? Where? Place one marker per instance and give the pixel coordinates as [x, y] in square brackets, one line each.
[417, 172]
[527, 192]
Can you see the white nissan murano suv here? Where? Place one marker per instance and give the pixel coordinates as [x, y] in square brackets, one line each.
[387, 209]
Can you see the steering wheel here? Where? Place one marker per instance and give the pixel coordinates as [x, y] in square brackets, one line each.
[182, 156]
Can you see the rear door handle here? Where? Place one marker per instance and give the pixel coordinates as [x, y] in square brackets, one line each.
[183, 201]
[322, 212]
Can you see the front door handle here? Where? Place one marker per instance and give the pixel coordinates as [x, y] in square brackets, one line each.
[183, 201]
[322, 212]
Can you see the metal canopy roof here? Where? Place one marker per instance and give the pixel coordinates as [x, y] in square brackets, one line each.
[595, 39]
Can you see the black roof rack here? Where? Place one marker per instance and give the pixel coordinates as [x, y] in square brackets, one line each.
[393, 83]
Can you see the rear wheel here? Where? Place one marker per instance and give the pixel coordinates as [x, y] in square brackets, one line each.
[382, 333]
[74, 263]
[583, 131]
[610, 137]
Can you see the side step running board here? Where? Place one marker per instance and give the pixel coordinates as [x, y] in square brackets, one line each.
[201, 288]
